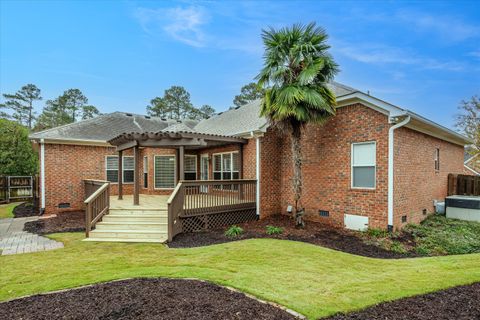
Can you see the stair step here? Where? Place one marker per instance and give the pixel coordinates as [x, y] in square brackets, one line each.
[138, 218]
[93, 239]
[128, 234]
[131, 225]
[138, 211]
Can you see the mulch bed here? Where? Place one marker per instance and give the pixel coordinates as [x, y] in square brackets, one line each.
[143, 299]
[25, 209]
[459, 303]
[62, 222]
[314, 233]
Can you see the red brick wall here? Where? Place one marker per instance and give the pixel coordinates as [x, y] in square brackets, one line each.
[416, 182]
[326, 168]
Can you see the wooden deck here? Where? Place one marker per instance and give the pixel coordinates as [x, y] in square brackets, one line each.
[147, 202]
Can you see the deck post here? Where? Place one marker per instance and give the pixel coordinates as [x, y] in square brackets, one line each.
[240, 171]
[136, 176]
[120, 175]
[181, 167]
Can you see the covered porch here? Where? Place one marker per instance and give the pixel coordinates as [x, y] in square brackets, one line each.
[190, 205]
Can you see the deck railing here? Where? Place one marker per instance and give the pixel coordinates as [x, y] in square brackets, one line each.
[203, 204]
[97, 202]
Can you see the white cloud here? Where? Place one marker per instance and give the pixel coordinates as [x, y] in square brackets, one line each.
[382, 54]
[448, 27]
[181, 24]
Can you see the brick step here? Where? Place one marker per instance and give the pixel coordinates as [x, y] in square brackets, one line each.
[131, 225]
[135, 218]
[129, 234]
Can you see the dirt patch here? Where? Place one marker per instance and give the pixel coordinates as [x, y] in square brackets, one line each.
[25, 209]
[460, 303]
[62, 222]
[143, 299]
[314, 233]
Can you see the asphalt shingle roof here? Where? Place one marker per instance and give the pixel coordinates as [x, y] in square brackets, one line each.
[107, 126]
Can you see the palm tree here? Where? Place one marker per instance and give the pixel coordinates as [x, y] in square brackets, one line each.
[296, 72]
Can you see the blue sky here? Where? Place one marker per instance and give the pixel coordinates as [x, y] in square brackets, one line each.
[424, 56]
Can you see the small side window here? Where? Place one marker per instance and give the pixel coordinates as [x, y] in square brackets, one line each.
[437, 159]
[363, 165]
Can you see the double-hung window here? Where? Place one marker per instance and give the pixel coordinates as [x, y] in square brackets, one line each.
[226, 166]
[111, 167]
[363, 165]
[145, 172]
[437, 159]
[164, 172]
[190, 167]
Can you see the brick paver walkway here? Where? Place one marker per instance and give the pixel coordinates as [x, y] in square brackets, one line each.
[14, 240]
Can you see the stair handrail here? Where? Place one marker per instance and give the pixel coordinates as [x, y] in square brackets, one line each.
[97, 205]
[175, 210]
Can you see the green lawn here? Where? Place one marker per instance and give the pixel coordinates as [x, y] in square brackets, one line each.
[6, 210]
[309, 279]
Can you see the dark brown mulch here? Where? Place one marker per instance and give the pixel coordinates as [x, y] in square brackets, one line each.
[143, 299]
[314, 233]
[459, 303]
[62, 222]
[25, 209]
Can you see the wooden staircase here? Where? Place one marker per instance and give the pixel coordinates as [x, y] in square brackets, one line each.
[132, 225]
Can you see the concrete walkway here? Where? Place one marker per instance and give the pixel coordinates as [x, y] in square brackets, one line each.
[14, 240]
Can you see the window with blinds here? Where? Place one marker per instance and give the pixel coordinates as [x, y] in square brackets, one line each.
[190, 167]
[226, 166]
[111, 168]
[164, 172]
[128, 169]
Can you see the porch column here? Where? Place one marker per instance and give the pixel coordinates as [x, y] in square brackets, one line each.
[136, 176]
[181, 160]
[120, 175]
[240, 162]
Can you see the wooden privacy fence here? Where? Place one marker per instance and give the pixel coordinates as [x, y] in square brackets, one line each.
[14, 188]
[461, 184]
[97, 203]
[206, 204]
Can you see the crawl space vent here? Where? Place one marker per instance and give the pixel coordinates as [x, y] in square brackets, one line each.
[324, 213]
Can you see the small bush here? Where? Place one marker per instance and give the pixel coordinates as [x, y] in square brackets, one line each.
[377, 233]
[233, 231]
[398, 247]
[274, 230]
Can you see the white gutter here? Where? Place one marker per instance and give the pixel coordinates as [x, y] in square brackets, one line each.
[391, 169]
[42, 175]
[257, 170]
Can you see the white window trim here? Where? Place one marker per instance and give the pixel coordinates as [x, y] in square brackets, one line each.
[123, 162]
[143, 176]
[374, 166]
[221, 164]
[195, 157]
[174, 171]
[204, 155]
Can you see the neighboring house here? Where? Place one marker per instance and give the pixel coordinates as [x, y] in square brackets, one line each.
[471, 164]
[373, 164]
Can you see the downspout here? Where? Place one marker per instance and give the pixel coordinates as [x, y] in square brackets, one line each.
[391, 169]
[257, 171]
[42, 175]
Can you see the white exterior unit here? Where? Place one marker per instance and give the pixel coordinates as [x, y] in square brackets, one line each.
[355, 222]
[463, 207]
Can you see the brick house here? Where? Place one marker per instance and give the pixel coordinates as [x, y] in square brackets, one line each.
[373, 164]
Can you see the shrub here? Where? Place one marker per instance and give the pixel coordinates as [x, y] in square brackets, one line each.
[377, 233]
[398, 247]
[233, 231]
[274, 230]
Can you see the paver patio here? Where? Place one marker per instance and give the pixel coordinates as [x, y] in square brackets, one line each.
[14, 240]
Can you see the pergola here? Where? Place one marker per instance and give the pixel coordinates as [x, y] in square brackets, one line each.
[180, 141]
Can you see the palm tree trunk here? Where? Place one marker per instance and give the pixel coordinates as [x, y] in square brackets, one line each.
[297, 173]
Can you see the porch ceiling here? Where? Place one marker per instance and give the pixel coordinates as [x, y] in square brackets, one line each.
[189, 140]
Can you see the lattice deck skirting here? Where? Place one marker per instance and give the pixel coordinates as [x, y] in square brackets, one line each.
[216, 220]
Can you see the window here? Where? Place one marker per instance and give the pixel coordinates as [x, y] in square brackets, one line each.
[437, 159]
[111, 167]
[145, 172]
[363, 165]
[128, 169]
[190, 167]
[164, 172]
[226, 166]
